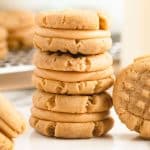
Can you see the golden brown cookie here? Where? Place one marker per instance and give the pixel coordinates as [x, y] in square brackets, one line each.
[16, 19]
[72, 104]
[72, 34]
[72, 130]
[74, 19]
[78, 88]
[68, 117]
[73, 76]
[131, 96]
[11, 122]
[67, 62]
[85, 46]
[5, 142]
[21, 39]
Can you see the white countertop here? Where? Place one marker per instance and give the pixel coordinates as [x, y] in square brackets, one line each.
[119, 138]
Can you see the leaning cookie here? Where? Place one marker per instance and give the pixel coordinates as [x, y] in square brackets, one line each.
[78, 88]
[72, 104]
[11, 123]
[72, 130]
[131, 96]
[74, 19]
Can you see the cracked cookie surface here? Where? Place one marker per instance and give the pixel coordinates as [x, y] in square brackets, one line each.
[72, 104]
[68, 62]
[72, 130]
[74, 19]
[74, 46]
[78, 88]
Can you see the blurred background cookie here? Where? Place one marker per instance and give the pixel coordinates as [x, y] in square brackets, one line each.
[20, 27]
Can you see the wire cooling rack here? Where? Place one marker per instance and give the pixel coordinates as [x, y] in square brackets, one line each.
[17, 61]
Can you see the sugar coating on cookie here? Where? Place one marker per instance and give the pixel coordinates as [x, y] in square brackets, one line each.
[131, 96]
[72, 104]
[78, 88]
[74, 19]
[72, 130]
[68, 62]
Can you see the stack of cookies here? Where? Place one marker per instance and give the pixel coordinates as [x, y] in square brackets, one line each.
[20, 26]
[73, 70]
[3, 43]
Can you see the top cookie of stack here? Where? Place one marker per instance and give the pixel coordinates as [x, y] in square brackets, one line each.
[74, 31]
[20, 25]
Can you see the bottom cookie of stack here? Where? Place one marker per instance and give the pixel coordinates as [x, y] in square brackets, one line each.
[72, 130]
[71, 116]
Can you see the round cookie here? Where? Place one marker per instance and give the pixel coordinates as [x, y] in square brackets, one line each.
[68, 117]
[72, 104]
[72, 34]
[68, 62]
[11, 123]
[5, 142]
[78, 88]
[85, 46]
[131, 96]
[21, 39]
[73, 76]
[72, 130]
[16, 19]
[74, 19]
